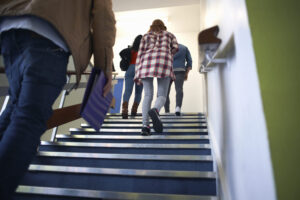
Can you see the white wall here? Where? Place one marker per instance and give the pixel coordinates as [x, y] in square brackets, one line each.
[235, 112]
[183, 22]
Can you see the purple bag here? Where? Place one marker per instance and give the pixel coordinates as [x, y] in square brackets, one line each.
[94, 105]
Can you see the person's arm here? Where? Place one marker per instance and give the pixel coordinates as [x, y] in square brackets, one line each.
[103, 33]
[187, 73]
[189, 63]
[174, 45]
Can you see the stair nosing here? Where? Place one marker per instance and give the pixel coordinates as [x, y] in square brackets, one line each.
[98, 194]
[135, 137]
[128, 145]
[169, 125]
[166, 130]
[139, 120]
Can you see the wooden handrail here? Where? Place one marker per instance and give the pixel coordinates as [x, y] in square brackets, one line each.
[64, 115]
[209, 36]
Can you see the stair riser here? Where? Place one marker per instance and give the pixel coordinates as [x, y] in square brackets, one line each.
[127, 164]
[123, 183]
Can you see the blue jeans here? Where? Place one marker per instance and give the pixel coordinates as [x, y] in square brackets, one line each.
[129, 75]
[36, 72]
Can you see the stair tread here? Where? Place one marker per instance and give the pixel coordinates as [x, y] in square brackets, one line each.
[126, 156]
[173, 174]
[96, 194]
[139, 125]
[137, 137]
[139, 120]
[166, 130]
[164, 114]
[129, 145]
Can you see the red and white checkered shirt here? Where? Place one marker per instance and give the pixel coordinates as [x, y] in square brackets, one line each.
[155, 55]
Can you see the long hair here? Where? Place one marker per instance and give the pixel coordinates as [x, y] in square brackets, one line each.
[136, 42]
[157, 26]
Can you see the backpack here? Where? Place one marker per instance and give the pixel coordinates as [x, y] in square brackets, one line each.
[125, 58]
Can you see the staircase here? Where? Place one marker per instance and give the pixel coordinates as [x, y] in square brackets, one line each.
[118, 163]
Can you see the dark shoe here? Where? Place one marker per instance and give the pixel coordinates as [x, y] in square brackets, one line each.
[167, 110]
[177, 113]
[134, 108]
[125, 110]
[145, 131]
[157, 124]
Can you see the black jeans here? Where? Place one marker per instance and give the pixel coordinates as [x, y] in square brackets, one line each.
[179, 91]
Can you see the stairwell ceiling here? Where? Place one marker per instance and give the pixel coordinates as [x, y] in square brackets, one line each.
[127, 5]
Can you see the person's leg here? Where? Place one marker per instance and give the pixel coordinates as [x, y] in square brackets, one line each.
[162, 90]
[14, 82]
[138, 93]
[129, 75]
[42, 66]
[179, 91]
[148, 96]
[137, 98]
[167, 104]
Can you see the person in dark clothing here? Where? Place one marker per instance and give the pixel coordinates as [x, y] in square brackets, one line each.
[37, 38]
[129, 75]
[182, 64]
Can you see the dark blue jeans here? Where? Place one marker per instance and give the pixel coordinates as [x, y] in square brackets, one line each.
[36, 71]
[129, 75]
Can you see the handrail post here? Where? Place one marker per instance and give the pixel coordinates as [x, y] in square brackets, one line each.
[61, 104]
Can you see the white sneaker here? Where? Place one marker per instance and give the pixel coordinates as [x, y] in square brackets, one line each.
[177, 111]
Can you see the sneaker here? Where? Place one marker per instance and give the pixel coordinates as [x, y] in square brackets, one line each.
[157, 124]
[145, 131]
[177, 111]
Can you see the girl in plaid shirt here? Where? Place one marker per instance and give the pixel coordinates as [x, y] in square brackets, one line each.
[155, 59]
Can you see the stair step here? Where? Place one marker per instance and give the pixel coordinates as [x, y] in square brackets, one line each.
[197, 131]
[176, 149]
[178, 139]
[122, 180]
[130, 161]
[136, 120]
[139, 126]
[64, 193]
[165, 114]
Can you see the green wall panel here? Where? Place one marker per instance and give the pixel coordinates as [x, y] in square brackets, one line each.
[275, 28]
